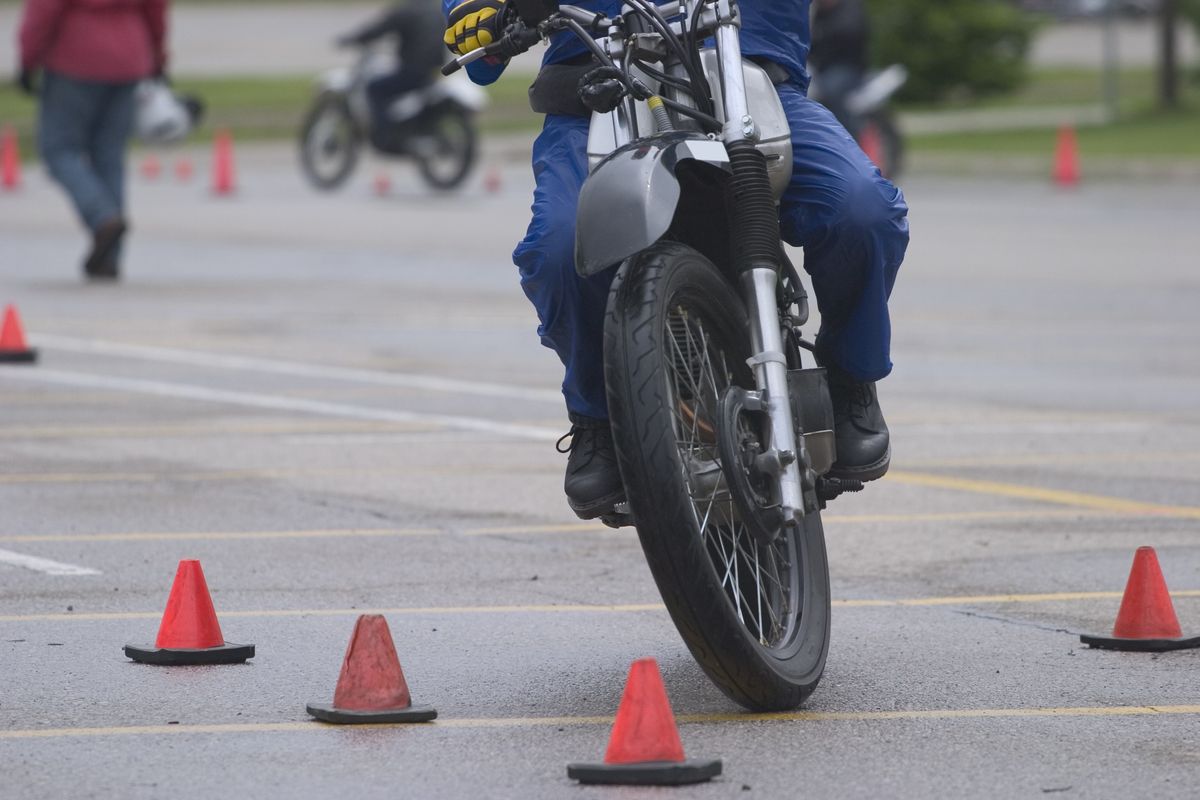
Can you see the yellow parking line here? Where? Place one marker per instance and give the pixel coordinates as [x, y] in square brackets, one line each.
[1038, 459]
[517, 530]
[1056, 496]
[629, 608]
[349, 612]
[996, 599]
[542, 722]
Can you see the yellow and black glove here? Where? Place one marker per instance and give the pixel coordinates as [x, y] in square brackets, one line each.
[474, 24]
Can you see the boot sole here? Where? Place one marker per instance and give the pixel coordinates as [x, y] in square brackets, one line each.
[597, 508]
[870, 472]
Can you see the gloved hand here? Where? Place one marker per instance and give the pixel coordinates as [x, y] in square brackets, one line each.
[601, 90]
[26, 82]
[474, 24]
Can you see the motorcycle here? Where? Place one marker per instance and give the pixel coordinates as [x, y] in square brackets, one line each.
[724, 434]
[435, 126]
[878, 134]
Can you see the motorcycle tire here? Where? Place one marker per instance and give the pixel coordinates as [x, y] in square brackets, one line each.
[453, 132]
[755, 616]
[329, 143]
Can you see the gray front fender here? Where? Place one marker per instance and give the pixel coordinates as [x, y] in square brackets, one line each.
[629, 200]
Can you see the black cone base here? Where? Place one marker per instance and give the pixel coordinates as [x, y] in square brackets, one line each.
[227, 653]
[18, 356]
[648, 773]
[1139, 645]
[346, 716]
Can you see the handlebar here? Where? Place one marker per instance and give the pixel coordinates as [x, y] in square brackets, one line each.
[516, 40]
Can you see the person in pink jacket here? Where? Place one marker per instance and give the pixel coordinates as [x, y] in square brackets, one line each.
[91, 54]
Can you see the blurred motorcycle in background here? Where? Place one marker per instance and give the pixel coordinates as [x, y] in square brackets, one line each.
[435, 125]
[870, 117]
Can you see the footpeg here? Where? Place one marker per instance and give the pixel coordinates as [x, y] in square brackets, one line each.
[619, 517]
[829, 488]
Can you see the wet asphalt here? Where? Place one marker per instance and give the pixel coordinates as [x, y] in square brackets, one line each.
[339, 404]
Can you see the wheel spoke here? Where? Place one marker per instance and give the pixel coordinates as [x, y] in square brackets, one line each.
[756, 577]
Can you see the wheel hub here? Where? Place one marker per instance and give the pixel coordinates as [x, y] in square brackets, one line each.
[748, 466]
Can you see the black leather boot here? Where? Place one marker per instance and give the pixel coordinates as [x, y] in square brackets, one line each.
[101, 263]
[863, 443]
[593, 481]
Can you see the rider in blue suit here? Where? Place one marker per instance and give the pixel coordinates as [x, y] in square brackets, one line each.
[851, 222]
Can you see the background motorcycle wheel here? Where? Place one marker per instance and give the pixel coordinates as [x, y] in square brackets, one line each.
[891, 145]
[756, 617]
[452, 151]
[329, 143]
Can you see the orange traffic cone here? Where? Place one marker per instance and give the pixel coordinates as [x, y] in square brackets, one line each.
[382, 184]
[871, 144]
[1066, 158]
[371, 686]
[224, 181]
[644, 748]
[151, 168]
[189, 633]
[492, 181]
[1146, 621]
[183, 169]
[13, 349]
[10, 160]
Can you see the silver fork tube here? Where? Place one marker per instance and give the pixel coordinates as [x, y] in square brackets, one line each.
[770, 372]
[759, 289]
[738, 124]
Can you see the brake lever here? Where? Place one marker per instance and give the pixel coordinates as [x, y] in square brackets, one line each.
[516, 40]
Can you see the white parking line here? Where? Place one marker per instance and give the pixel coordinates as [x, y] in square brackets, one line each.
[277, 402]
[198, 358]
[44, 564]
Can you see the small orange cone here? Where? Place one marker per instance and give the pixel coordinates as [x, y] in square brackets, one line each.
[371, 686]
[13, 349]
[1066, 158]
[1146, 621]
[492, 181]
[183, 169]
[189, 633]
[871, 144]
[382, 184]
[644, 748]
[10, 160]
[151, 168]
[224, 181]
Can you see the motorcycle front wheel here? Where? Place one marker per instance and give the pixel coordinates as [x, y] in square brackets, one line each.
[329, 143]
[754, 615]
[448, 150]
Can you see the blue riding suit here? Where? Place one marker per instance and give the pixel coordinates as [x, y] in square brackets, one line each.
[851, 222]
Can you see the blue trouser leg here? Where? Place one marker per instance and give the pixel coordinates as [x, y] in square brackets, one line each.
[851, 222]
[571, 309]
[853, 226]
[82, 130]
[110, 137]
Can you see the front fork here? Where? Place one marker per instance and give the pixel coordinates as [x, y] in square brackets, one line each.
[757, 238]
[786, 455]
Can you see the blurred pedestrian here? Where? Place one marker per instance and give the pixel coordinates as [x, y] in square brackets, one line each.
[91, 54]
